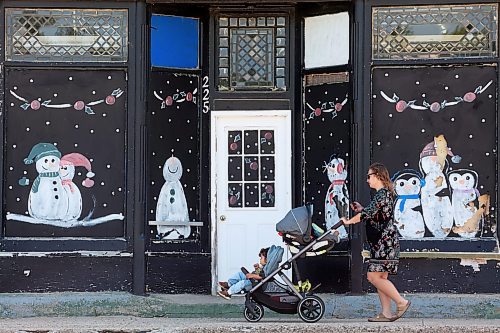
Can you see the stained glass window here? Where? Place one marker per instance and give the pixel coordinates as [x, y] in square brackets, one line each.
[252, 53]
[67, 35]
[446, 31]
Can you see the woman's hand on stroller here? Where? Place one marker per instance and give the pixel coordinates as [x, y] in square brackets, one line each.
[252, 276]
[356, 207]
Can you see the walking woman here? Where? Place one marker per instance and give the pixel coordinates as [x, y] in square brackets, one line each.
[383, 239]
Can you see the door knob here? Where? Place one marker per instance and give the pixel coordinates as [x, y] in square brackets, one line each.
[222, 218]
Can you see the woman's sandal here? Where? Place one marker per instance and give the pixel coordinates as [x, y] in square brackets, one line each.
[402, 310]
[381, 318]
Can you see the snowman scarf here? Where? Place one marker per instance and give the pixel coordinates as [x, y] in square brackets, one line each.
[404, 197]
[36, 183]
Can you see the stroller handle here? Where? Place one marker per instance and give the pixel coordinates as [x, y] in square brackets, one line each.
[338, 225]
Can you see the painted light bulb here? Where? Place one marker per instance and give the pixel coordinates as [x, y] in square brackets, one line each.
[35, 105]
[469, 97]
[435, 107]
[317, 112]
[79, 105]
[169, 100]
[401, 105]
[338, 107]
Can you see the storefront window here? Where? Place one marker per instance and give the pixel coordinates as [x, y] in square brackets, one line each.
[66, 35]
[435, 32]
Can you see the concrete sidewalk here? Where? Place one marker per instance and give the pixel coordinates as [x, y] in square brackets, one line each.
[70, 304]
[130, 324]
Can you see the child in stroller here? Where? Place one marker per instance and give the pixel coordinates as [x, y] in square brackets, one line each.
[241, 281]
[283, 297]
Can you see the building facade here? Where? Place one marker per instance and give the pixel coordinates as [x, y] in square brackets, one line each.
[152, 146]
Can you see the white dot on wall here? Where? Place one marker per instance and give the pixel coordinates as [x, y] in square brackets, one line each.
[91, 131]
[47, 123]
[188, 170]
[91, 160]
[341, 141]
[487, 154]
[11, 104]
[423, 130]
[104, 205]
[18, 199]
[55, 95]
[386, 74]
[470, 136]
[70, 78]
[452, 119]
[25, 172]
[11, 168]
[326, 92]
[93, 92]
[178, 140]
[76, 126]
[423, 95]
[104, 115]
[14, 146]
[390, 115]
[76, 145]
[153, 153]
[31, 80]
[79, 174]
[102, 183]
[55, 143]
[374, 96]
[108, 166]
[378, 143]
[406, 164]
[457, 76]
[159, 166]
[119, 189]
[397, 136]
[417, 82]
[15, 88]
[10, 187]
[27, 129]
[470, 164]
[490, 96]
[319, 137]
[109, 77]
[117, 130]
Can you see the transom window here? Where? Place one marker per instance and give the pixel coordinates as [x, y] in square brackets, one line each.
[66, 35]
[251, 53]
[435, 32]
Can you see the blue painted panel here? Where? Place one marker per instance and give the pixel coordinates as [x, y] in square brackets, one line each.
[174, 41]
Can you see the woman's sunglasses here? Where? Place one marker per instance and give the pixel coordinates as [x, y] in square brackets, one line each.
[370, 174]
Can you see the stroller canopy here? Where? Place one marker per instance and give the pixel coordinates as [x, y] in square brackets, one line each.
[296, 222]
[274, 256]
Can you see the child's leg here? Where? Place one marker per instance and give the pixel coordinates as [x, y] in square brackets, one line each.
[235, 278]
[239, 286]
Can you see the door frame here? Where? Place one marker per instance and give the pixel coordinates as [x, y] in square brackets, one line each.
[214, 117]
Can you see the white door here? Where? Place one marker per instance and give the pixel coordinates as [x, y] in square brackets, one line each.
[251, 185]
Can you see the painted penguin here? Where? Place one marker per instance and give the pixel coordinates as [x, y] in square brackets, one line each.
[172, 206]
[337, 196]
[67, 172]
[408, 210]
[435, 196]
[47, 199]
[463, 183]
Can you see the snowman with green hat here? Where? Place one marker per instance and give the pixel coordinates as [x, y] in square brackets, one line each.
[47, 199]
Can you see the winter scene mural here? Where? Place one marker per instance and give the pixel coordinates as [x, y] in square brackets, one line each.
[174, 159]
[327, 127]
[437, 138]
[61, 178]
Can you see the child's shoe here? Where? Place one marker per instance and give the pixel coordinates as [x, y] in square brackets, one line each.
[224, 294]
[224, 285]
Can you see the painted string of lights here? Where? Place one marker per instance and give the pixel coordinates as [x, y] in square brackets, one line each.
[402, 105]
[176, 98]
[327, 107]
[79, 105]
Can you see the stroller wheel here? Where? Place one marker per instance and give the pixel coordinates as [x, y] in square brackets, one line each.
[311, 309]
[256, 314]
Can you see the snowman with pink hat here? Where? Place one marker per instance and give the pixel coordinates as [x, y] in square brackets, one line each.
[67, 172]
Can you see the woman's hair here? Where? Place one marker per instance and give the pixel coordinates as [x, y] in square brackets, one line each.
[381, 173]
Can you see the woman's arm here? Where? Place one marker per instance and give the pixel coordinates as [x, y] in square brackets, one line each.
[355, 219]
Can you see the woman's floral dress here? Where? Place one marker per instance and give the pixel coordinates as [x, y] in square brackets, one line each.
[381, 233]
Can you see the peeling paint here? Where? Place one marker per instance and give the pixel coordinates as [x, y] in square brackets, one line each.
[474, 263]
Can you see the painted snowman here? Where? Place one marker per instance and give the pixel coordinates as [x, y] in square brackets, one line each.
[67, 173]
[435, 197]
[337, 196]
[172, 205]
[407, 211]
[47, 199]
[463, 183]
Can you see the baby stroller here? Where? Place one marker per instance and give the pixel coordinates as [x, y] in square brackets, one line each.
[296, 230]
